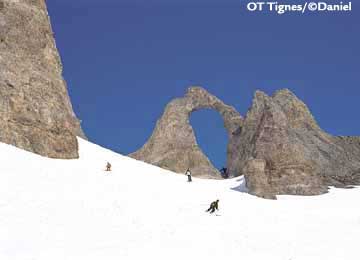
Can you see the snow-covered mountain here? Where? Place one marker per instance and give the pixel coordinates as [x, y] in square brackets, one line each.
[74, 210]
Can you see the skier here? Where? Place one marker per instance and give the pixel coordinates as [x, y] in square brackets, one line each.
[108, 167]
[188, 174]
[224, 173]
[213, 206]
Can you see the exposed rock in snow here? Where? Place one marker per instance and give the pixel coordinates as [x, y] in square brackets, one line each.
[299, 157]
[35, 109]
[279, 146]
[173, 144]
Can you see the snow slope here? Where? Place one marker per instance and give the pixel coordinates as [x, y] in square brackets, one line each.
[64, 210]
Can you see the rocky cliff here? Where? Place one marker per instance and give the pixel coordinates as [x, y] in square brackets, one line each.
[290, 152]
[173, 144]
[278, 146]
[35, 109]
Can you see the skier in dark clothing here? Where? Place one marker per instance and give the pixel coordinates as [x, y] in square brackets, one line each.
[108, 167]
[188, 174]
[224, 173]
[213, 206]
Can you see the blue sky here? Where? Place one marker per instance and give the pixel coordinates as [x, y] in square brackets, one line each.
[125, 60]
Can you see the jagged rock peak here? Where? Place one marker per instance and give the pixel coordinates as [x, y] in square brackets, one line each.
[173, 144]
[299, 157]
[297, 112]
[35, 109]
[278, 146]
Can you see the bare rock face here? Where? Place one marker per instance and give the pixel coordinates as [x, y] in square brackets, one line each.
[258, 179]
[35, 109]
[292, 154]
[173, 144]
[278, 147]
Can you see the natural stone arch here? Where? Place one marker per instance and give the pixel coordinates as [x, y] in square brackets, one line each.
[173, 145]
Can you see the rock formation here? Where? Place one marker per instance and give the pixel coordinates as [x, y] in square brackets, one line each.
[173, 144]
[282, 150]
[35, 109]
[278, 147]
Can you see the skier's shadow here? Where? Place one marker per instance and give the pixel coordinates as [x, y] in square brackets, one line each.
[242, 186]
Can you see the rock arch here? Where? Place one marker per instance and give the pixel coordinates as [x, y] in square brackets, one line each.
[173, 145]
[278, 146]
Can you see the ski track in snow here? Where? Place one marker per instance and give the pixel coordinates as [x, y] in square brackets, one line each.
[74, 210]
